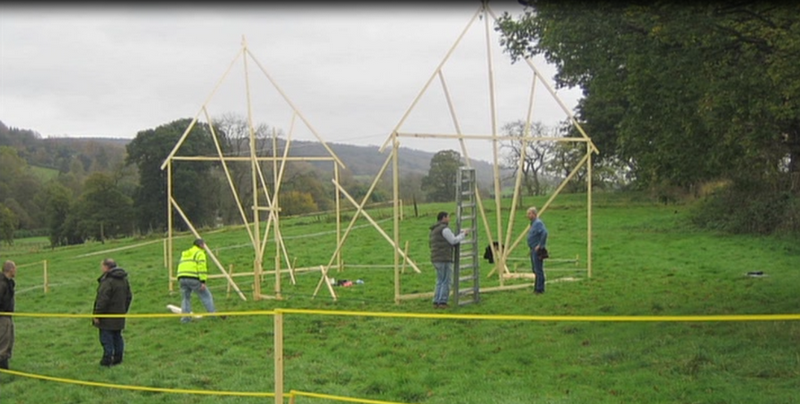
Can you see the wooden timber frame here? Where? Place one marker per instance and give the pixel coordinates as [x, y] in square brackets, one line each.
[254, 222]
[394, 138]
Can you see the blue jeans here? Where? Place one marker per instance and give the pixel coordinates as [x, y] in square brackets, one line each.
[189, 285]
[538, 270]
[444, 272]
[112, 342]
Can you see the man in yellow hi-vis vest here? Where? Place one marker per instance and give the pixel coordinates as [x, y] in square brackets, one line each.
[192, 276]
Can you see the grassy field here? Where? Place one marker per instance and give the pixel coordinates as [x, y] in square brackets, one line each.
[44, 173]
[647, 261]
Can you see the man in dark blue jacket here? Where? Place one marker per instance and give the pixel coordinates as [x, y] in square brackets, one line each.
[537, 242]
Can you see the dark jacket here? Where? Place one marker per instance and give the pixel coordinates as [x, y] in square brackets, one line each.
[488, 254]
[7, 286]
[113, 297]
[441, 249]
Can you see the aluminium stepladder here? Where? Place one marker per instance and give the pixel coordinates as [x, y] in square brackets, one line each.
[466, 268]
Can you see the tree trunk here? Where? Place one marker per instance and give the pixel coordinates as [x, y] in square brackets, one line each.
[793, 144]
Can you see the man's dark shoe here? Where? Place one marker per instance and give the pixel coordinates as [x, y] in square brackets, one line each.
[106, 361]
[116, 360]
[4, 364]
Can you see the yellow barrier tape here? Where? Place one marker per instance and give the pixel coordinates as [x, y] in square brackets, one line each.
[143, 315]
[140, 388]
[339, 398]
[504, 317]
[494, 317]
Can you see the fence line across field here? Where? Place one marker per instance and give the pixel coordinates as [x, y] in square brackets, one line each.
[278, 338]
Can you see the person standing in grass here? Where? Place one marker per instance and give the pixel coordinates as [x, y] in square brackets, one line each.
[441, 241]
[537, 242]
[7, 285]
[192, 276]
[113, 297]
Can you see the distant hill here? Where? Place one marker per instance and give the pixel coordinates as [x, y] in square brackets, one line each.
[367, 160]
[363, 161]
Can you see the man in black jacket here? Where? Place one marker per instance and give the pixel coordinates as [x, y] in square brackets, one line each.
[7, 286]
[113, 297]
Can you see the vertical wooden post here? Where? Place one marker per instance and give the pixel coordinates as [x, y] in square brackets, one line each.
[254, 181]
[169, 224]
[493, 112]
[501, 251]
[278, 277]
[278, 330]
[589, 210]
[275, 213]
[46, 287]
[338, 203]
[395, 190]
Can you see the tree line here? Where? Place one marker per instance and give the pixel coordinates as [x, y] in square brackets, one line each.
[72, 191]
[93, 190]
[698, 97]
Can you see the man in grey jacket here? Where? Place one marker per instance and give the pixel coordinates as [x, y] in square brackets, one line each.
[442, 240]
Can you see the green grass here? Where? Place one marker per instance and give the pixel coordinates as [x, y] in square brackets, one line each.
[43, 173]
[647, 261]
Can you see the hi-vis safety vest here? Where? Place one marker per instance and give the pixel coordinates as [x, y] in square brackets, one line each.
[193, 264]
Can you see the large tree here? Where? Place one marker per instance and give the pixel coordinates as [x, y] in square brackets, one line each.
[102, 211]
[440, 183]
[537, 154]
[8, 224]
[148, 151]
[686, 92]
[57, 200]
[234, 136]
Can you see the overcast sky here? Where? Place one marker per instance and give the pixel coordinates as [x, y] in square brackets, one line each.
[352, 71]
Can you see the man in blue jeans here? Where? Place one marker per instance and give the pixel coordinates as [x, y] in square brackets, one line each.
[441, 241]
[192, 276]
[537, 240]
